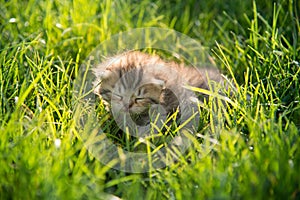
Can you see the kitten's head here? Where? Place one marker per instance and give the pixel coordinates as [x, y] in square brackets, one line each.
[129, 89]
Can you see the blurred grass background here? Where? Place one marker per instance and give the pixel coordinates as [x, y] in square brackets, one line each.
[42, 45]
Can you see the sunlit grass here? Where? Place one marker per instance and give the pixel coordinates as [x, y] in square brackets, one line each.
[255, 156]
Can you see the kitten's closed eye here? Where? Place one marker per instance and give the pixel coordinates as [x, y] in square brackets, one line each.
[104, 92]
[147, 100]
[139, 100]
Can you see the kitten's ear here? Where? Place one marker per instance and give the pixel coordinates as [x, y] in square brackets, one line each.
[105, 74]
[102, 74]
[158, 82]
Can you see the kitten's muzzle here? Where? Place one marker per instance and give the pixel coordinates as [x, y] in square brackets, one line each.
[127, 106]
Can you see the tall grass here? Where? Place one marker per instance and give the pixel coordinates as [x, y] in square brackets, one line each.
[42, 46]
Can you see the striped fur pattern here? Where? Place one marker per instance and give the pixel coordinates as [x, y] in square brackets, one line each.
[134, 82]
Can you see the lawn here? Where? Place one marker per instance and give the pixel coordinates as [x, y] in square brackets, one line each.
[43, 46]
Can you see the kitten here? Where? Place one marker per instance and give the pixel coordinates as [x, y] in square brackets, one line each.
[139, 84]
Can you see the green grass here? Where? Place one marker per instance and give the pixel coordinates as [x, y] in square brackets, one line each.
[42, 46]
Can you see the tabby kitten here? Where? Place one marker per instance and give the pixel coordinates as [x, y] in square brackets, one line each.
[140, 84]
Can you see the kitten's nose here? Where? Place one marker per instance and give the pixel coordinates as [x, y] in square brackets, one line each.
[128, 105]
